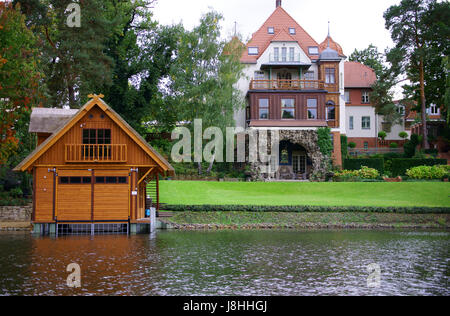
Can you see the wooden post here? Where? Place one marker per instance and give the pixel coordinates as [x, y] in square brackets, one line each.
[157, 192]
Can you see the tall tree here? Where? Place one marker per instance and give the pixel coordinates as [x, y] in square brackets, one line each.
[203, 78]
[387, 73]
[20, 80]
[75, 59]
[142, 54]
[409, 31]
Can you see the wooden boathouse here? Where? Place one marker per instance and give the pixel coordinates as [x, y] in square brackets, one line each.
[90, 171]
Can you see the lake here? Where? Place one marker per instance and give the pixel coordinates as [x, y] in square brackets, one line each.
[230, 263]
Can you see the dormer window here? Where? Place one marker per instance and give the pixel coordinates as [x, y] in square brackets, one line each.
[292, 30]
[253, 50]
[313, 50]
[271, 30]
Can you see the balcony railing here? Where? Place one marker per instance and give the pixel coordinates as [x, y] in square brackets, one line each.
[286, 84]
[96, 153]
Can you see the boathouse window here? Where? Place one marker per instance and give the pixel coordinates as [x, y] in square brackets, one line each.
[287, 109]
[75, 180]
[111, 180]
[270, 30]
[284, 54]
[292, 30]
[312, 109]
[96, 136]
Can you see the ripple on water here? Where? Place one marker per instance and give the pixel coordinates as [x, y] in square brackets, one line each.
[229, 263]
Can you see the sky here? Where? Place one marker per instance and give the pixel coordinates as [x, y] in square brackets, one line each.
[354, 24]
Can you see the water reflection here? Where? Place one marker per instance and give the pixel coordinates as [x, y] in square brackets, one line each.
[229, 263]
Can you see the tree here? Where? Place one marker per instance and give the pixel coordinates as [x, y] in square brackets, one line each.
[20, 81]
[74, 57]
[409, 24]
[387, 73]
[203, 77]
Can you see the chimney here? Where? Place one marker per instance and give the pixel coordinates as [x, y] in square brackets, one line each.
[278, 3]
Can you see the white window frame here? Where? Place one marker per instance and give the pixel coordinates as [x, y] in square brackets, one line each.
[351, 123]
[313, 50]
[253, 51]
[270, 30]
[364, 125]
[347, 96]
[292, 31]
[365, 97]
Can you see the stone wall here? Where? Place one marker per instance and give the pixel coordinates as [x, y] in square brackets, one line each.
[308, 139]
[16, 213]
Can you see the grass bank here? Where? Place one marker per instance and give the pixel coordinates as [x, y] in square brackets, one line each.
[378, 194]
[270, 220]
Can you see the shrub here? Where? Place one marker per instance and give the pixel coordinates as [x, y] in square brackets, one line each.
[351, 145]
[393, 145]
[400, 166]
[365, 173]
[403, 135]
[358, 163]
[382, 135]
[428, 172]
[368, 173]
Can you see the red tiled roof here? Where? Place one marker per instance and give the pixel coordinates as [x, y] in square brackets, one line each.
[281, 21]
[283, 36]
[358, 75]
[333, 45]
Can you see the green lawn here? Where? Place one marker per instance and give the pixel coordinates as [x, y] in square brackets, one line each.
[431, 194]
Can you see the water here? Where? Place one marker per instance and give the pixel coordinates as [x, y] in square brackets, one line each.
[229, 263]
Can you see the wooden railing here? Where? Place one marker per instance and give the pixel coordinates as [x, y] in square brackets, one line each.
[96, 153]
[286, 84]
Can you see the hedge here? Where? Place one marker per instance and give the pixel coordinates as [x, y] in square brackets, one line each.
[401, 165]
[304, 209]
[357, 163]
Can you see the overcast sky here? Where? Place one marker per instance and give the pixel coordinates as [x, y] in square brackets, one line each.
[354, 23]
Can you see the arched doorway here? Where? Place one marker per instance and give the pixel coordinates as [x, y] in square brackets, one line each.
[294, 162]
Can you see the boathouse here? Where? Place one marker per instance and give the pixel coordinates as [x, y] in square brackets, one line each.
[91, 171]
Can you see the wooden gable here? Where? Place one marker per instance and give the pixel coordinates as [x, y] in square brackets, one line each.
[95, 115]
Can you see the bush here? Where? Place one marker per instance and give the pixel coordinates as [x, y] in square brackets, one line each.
[393, 145]
[400, 166]
[403, 135]
[304, 208]
[365, 173]
[358, 163]
[382, 135]
[428, 172]
[351, 145]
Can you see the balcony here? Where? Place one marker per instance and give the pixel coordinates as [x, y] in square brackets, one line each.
[79, 153]
[286, 84]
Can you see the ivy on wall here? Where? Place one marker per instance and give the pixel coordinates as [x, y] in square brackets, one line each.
[325, 141]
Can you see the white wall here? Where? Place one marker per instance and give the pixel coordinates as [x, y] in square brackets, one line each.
[358, 112]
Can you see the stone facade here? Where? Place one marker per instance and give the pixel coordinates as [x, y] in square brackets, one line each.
[16, 213]
[308, 139]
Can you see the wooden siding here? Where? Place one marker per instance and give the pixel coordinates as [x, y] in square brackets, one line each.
[43, 195]
[111, 201]
[55, 155]
[73, 201]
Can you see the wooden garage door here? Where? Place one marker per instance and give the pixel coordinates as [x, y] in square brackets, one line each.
[44, 195]
[111, 195]
[74, 195]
